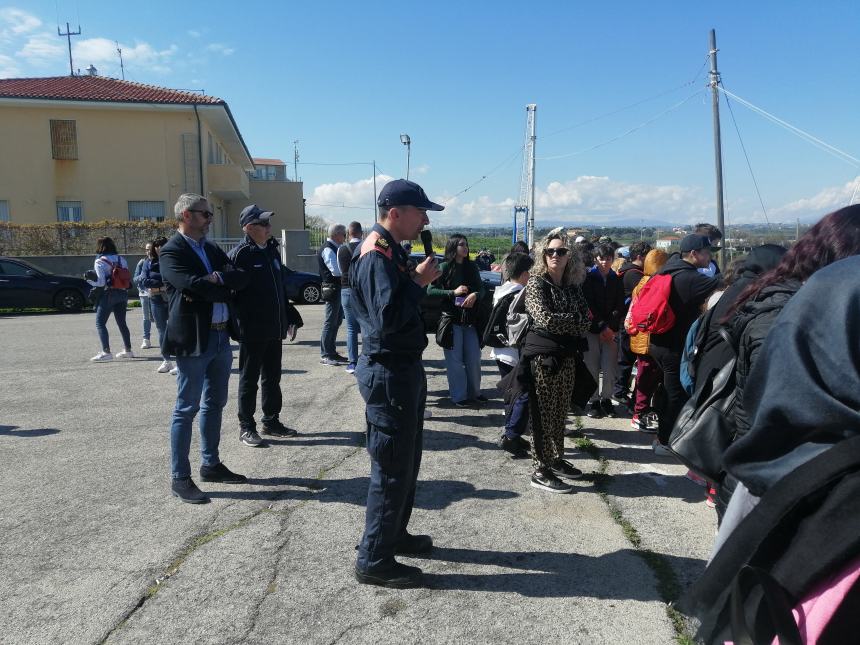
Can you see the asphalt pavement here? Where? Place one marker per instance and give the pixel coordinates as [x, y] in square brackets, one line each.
[95, 549]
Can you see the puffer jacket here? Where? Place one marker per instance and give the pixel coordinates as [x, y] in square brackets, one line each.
[654, 261]
[750, 327]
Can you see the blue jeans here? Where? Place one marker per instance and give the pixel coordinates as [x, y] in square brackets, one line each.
[333, 318]
[463, 364]
[112, 301]
[518, 419]
[158, 308]
[205, 377]
[351, 326]
[146, 305]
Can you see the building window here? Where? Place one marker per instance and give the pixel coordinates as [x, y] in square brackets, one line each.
[4, 210]
[69, 211]
[142, 211]
[269, 173]
[64, 139]
[217, 156]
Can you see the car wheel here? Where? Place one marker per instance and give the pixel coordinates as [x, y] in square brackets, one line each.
[69, 300]
[311, 293]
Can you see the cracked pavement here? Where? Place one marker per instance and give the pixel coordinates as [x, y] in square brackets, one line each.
[89, 525]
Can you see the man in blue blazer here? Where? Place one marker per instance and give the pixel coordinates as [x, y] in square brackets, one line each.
[200, 283]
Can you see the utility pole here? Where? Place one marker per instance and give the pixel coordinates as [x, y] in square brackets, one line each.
[531, 109]
[718, 154]
[296, 159]
[526, 202]
[121, 66]
[375, 194]
[69, 33]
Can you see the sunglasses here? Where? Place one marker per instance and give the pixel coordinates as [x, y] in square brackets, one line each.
[206, 214]
[560, 252]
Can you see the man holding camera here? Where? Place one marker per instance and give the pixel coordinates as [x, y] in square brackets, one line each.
[265, 320]
[200, 282]
[385, 299]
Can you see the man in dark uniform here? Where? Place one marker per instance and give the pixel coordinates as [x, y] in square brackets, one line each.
[391, 379]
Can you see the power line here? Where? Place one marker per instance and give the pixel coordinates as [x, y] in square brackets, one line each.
[353, 206]
[628, 132]
[746, 156]
[489, 174]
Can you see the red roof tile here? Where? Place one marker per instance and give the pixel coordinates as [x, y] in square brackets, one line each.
[262, 161]
[98, 88]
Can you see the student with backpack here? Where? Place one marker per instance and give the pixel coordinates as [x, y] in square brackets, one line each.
[631, 273]
[516, 270]
[666, 308]
[115, 278]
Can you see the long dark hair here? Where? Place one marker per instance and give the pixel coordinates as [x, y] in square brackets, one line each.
[834, 237]
[105, 246]
[156, 244]
[451, 247]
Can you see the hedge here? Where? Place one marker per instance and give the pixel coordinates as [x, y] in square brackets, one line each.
[79, 238]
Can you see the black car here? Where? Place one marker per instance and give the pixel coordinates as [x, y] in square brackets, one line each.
[431, 306]
[303, 287]
[24, 285]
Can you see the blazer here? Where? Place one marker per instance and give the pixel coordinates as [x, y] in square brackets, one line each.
[190, 295]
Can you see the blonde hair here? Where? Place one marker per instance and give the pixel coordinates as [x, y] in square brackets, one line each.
[574, 270]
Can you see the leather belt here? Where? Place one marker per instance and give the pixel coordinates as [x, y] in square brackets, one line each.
[218, 326]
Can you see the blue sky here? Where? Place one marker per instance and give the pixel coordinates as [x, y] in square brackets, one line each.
[346, 78]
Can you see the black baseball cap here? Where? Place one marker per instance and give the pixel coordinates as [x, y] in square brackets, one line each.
[693, 242]
[254, 213]
[402, 192]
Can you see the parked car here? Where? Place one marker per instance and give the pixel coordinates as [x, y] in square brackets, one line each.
[303, 287]
[23, 284]
[431, 306]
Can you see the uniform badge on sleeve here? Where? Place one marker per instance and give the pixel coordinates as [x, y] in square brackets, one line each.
[382, 243]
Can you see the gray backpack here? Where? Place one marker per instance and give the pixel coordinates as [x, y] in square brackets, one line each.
[518, 320]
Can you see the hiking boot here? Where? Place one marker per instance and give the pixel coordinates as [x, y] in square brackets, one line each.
[563, 468]
[414, 544]
[221, 474]
[608, 408]
[277, 429]
[186, 490]
[595, 410]
[514, 446]
[397, 576]
[544, 479]
[250, 438]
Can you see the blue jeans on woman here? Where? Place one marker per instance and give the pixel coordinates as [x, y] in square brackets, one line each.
[200, 377]
[146, 306]
[112, 301]
[351, 326]
[158, 308]
[463, 364]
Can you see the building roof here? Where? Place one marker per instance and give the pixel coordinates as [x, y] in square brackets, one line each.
[98, 88]
[262, 161]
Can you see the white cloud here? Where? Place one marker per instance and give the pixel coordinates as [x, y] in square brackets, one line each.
[220, 48]
[194, 33]
[140, 56]
[14, 22]
[826, 200]
[342, 201]
[8, 67]
[41, 49]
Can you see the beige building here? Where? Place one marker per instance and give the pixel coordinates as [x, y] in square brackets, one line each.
[90, 148]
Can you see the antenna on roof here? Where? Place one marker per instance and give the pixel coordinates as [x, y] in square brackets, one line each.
[119, 51]
[69, 33]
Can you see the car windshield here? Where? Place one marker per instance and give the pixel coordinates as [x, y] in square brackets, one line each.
[31, 265]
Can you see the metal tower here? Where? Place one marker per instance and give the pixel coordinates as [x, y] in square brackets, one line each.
[526, 202]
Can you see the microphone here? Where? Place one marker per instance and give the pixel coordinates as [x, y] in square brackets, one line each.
[427, 240]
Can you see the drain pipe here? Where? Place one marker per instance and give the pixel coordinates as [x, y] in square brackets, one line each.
[199, 149]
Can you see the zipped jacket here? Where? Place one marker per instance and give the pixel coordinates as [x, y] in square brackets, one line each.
[261, 307]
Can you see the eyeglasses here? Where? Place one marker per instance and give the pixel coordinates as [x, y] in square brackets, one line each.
[206, 214]
[560, 252]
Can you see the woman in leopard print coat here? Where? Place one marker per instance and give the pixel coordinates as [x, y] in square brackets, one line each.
[560, 317]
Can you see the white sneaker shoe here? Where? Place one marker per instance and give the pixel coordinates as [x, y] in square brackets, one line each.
[165, 367]
[146, 344]
[126, 354]
[174, 371]
[102, 357]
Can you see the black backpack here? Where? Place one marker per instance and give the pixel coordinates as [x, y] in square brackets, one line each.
[496, 331]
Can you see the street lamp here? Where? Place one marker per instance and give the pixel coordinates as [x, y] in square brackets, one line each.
[406, 141]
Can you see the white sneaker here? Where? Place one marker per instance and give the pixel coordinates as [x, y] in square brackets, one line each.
[126, 354]
[174, 371]
[165, 367]
[427, 413]
[102, 357]
[146, 344]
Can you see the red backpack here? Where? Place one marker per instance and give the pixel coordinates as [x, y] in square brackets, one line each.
[650, 312]
[120, 276]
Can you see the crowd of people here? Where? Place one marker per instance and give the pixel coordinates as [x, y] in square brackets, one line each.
[587, 327]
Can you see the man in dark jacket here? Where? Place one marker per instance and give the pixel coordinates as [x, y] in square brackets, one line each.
[265, 319]
[200, 285]
[690, 291]
[630, 273]
[604, 293]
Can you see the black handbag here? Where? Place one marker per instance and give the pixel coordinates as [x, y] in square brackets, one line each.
[584, 384]
[329, 291]
[445, 331]
[706, 425]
